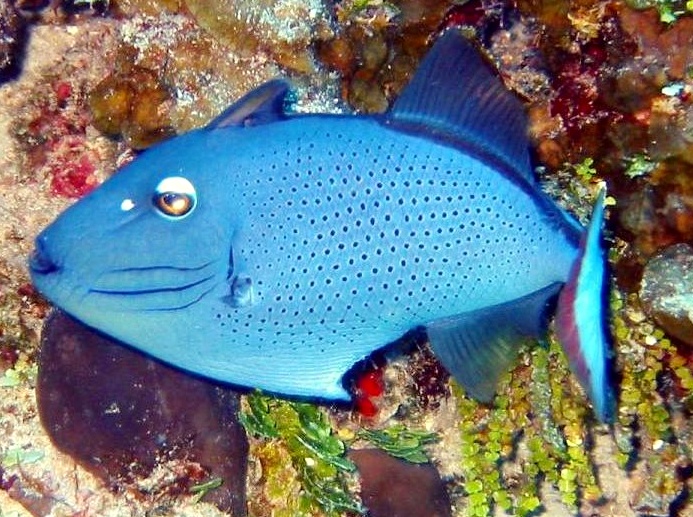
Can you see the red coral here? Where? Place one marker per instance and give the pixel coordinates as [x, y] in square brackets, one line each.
[465, 14]
[63, 91]
[26, 290]
[583, 80]
[577, 99]
[368, 386]
[9, 356]
[55, 140]
[73, 171]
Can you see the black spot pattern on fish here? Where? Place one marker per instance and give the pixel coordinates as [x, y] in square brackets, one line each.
[416, 226]
[352, 231]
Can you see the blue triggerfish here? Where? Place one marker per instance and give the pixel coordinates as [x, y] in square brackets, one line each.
[277, 250]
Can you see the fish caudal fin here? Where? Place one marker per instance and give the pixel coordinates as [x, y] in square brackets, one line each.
[477, 347]
[580, 323]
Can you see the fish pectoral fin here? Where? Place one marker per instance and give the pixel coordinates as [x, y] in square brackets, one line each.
[241, 292]
[262, 105]
[477, 347]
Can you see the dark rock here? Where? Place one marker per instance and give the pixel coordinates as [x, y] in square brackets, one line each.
[31, 5]
[395, 488]
[11, 36]
[118, 414]
[666, 291]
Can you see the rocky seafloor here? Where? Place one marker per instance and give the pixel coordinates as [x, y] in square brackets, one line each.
[88, 427]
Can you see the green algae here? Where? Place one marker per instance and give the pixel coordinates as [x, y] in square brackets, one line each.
[202, 489]
[366, 10]
[639, 165]
[486, 441]
[14, 457]
[15, 331]
[17, 339]
[302, 432]
[669, 10]
[400, 442]
[584, 169]
[542, 427]
[23, 371]
[282, 488]
[303, 457]
[535, 426]
[650, 416]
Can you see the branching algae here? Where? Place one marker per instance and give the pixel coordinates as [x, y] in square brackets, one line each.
[315, 452]
[539, 432]
[400, 442]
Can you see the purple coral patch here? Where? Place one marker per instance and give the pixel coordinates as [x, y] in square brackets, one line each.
[118, 414]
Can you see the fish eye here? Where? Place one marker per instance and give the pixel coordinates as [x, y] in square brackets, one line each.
[175, 197]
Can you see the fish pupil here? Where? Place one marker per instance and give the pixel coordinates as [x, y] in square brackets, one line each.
[174, 203]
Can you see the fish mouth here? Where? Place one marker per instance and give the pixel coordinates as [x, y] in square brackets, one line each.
[40, 261]
[154, 288]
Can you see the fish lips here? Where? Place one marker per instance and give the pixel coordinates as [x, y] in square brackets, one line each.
[46, 270]
[41, 262]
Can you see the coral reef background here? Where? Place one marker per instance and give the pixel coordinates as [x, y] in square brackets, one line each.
[609, 88]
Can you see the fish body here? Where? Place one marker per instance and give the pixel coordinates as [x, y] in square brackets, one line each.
[277, 251]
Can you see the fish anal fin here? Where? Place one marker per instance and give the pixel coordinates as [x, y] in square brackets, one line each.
[262, 105]
[479, 346]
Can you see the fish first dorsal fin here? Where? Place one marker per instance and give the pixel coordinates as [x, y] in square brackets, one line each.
[262, 105]
[455, 94]
[477, 347]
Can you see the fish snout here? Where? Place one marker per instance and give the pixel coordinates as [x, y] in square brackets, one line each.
[40, 261]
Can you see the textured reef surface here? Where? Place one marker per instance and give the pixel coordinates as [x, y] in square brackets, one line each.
[121, 415]
[90, 428]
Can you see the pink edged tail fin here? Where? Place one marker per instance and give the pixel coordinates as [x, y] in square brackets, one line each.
[580, 322]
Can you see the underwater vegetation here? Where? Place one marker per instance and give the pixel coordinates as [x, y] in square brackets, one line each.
[669, 10]
[609, 89]
[316, 454]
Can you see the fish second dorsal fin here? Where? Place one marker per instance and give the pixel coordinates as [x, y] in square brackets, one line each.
[455, 95]
[477, 347]
[262, 105]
